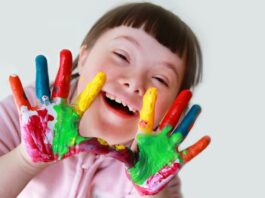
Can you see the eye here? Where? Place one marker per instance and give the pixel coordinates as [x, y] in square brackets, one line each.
[121, 56]
[161, 80]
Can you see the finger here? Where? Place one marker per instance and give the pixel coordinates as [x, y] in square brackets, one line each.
[195, 149]
[146, 122]
[18, 92]
[87, 96]
[176, 110]
[62, 82]
[187, 122]
[42, 79]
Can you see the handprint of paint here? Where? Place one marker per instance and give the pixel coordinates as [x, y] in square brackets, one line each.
[50, 130]
[159, 158]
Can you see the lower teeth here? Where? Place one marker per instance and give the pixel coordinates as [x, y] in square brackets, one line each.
[118, 106]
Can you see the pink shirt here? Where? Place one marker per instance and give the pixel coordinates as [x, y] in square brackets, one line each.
[82, 176]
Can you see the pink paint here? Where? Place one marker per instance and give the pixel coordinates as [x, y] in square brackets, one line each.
[157, 180]
[143, 123]
[35, 134]
[162, 174]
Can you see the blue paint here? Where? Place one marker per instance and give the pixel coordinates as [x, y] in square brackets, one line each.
[42, 79]
[188, 120]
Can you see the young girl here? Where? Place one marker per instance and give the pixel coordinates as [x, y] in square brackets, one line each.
[137, 46]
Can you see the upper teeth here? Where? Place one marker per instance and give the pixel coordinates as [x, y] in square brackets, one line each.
[121, 102]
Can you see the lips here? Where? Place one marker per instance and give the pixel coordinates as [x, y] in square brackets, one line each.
[118, 107]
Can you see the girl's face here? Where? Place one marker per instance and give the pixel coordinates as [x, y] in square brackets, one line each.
[133, 61]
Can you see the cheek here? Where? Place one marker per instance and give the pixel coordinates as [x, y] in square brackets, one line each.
[87, 74]
[96, 64]
[163, 104]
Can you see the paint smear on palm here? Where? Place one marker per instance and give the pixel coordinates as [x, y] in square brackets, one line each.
[35, 131]
[65, 129]
[155, 152]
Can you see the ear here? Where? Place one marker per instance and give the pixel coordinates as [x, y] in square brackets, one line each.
[83, 53]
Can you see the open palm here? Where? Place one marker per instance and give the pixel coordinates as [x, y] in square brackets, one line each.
[158, 156]
[50, 130]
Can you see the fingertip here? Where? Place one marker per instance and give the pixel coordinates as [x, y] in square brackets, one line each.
[203, 143]
[196, 109]
[207, 139]
[14, 80]
[41, 61]
[151, 91]
[184, 96]
[186, 92]
[101, 77]
[12, 77]
[66, 54]
[150, 95]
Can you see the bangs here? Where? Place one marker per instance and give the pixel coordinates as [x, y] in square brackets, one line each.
[164, 26]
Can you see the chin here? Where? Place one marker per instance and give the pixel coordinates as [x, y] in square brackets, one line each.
[115, 137]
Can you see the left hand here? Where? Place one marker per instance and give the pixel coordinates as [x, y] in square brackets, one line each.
[158, 156]
[49, 130]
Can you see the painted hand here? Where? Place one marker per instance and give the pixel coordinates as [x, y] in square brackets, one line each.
[159, 158]
[50, 130]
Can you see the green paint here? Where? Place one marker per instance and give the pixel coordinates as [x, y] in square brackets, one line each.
[155, 152]
[65, 129]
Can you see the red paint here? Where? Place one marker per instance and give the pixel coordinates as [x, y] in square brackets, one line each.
[18, 92]
[93, 145]
[195, 149]
[176, 110]
[63, 78]
[35, 134]
[163, 174]
[158, 178]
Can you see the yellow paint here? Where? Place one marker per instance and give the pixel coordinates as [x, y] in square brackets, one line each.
[102, 142]
[73, 141]
[146, 122]
[90, 92]
[119, 146]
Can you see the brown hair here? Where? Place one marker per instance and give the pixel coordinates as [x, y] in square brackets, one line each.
[167, 28]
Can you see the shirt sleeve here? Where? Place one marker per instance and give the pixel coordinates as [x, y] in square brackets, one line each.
[9, 121]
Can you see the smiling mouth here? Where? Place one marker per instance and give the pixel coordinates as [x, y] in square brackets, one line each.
[118, 107]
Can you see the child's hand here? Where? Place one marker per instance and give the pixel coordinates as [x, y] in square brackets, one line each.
[159, 158]
[50, 130]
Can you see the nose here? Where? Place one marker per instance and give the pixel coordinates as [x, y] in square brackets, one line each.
[133, 85]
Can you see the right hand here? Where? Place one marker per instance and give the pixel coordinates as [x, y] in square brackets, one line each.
[159, 158]
[50, 130]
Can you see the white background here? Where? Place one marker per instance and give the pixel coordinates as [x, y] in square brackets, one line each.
[232, 96]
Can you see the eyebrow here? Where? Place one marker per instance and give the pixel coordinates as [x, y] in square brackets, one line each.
[128, 38]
